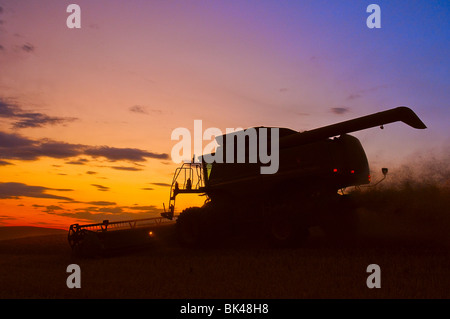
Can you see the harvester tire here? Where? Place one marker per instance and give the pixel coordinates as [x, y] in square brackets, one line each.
[340, 223]
[288, 235]
[286, 229]
[188, 227]
[202, 227]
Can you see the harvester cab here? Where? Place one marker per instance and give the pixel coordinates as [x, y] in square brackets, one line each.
[187, 179]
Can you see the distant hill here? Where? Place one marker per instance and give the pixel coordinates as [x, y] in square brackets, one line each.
[13, 232]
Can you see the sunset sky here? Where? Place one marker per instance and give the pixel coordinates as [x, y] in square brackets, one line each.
[86, 115]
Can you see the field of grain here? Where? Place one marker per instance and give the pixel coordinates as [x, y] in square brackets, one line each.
[405, 233]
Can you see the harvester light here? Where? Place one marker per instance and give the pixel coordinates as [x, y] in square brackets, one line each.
[150, 233]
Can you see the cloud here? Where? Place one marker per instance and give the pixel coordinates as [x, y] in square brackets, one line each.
[91, 173]
[103, 210]
[126, 168]
[161, 184]
[112, 210]
[4, 163]
[353, 96]
[143, 110]
[80, 161]
[60, 149]
[27, 119]
[32, 120]
[101, 187]
[15, 146]
[149, 208]
[147, 189]
[138, 109]
[98, 214]
[13, 190]
[340, 110]
[360, 93]
[8, 218]
[13, 140]
[115, 154]
[27, 47]
[94, 26]
[52, 208]
[101, 203]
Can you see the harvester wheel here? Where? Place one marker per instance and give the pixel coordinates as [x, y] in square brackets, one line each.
[288, 234]
[288, 229]
[340, 222]
[188, 227]
[281, 229]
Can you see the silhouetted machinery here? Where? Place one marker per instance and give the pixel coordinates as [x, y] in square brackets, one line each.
[313, 167]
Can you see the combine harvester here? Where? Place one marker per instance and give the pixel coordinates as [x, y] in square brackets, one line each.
[314, 166]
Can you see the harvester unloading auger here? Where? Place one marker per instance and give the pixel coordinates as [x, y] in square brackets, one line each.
[313, 166]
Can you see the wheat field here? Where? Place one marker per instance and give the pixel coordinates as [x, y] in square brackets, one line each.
[405, 232]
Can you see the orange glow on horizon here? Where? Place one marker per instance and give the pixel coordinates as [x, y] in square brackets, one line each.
[134, 73]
